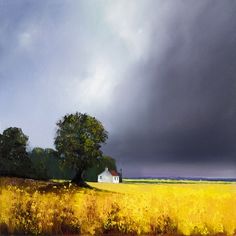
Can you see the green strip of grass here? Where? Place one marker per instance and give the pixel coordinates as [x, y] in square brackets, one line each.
[171, 181]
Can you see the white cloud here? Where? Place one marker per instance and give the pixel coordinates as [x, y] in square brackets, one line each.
[97, 89]
[25, 39]
[126, 20]
[94, 92]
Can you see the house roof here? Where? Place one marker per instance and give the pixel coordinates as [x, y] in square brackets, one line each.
[114, 173]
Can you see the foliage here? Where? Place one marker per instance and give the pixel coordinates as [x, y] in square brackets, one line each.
[127, 209]
[14, 159]
[47, 164]
[38, 159]
[78, 141]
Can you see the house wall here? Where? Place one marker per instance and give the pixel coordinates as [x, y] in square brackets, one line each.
[116, 179]
[104, 177]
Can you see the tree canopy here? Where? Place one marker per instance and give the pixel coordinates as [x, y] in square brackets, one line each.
[14, 159]
[47, 164]
[78, 141]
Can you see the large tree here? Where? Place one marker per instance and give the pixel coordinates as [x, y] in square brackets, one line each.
[14, 159]
[78, 141]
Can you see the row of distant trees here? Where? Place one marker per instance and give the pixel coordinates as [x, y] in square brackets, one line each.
[77, 156]
[49, 165]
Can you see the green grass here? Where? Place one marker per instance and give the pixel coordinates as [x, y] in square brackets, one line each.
[172, 181]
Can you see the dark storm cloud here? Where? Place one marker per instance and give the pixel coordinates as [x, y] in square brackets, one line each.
[181, 106]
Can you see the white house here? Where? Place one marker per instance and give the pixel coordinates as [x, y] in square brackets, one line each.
[109, 177]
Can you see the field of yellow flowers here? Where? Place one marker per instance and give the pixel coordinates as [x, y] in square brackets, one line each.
[34, 207]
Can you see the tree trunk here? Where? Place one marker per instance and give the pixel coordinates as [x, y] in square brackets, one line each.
[78, 180]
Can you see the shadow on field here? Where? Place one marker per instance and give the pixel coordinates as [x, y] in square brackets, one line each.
[44, 186]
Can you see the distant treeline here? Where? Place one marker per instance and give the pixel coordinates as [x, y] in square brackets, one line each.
[39, 163]
[48, 164]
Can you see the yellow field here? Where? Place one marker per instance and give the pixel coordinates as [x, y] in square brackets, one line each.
[38, 207]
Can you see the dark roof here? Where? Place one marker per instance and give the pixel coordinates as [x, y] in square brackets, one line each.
[114, 173]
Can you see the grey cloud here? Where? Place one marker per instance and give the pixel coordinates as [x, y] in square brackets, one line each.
[182, 104]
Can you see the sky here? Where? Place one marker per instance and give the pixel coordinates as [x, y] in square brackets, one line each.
[159, 74]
